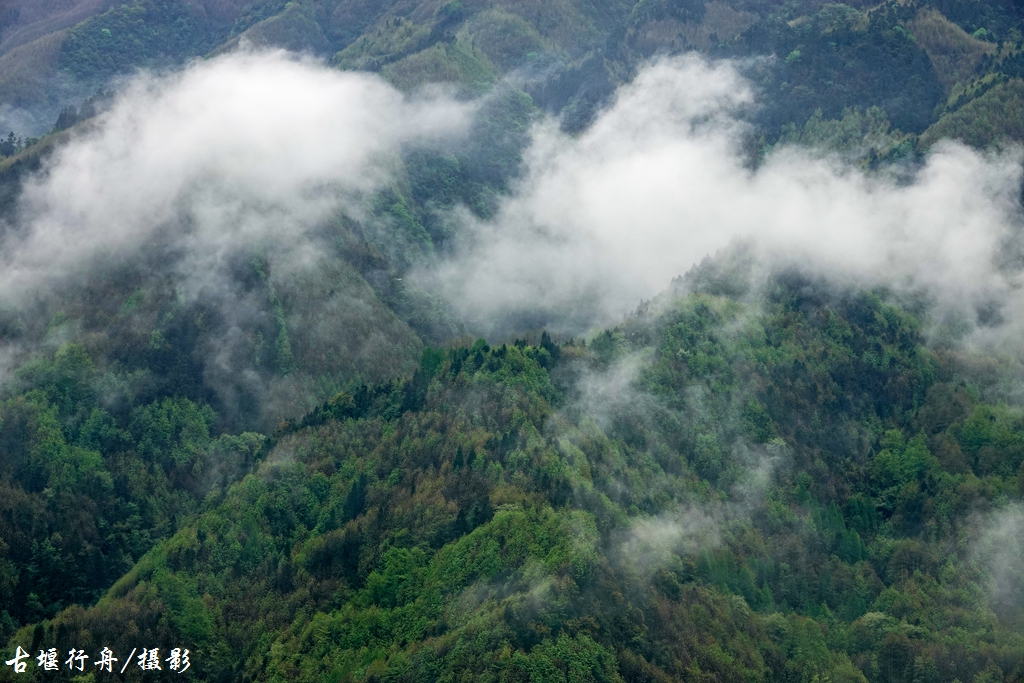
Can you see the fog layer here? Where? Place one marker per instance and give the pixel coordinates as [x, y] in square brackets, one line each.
[662, 179]
[230, 151]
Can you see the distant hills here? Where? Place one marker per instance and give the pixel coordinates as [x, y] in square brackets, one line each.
[246, 405]
[918, 61]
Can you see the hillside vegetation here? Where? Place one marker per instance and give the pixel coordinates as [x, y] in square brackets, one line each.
[309, 468]
[791, 490]
[918, 61]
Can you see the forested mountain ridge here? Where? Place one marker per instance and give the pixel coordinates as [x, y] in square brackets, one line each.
[919, 61]
[488, 519]
[242, 410]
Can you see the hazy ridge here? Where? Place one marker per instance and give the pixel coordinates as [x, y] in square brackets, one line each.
[514, 341]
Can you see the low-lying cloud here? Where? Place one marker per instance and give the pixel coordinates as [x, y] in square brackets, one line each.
[220, 194]
[256, 151]
[230, 151]
[661, 180]
[615, 400]
[255, 148]
[688, 529]
[999, 547]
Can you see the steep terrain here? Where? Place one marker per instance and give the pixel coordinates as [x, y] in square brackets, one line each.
[792, 489]
[919, 61]
[283, 448]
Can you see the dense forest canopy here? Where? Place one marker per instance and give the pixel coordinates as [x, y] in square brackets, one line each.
[672, 340]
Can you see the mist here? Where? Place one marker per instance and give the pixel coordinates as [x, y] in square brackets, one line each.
[235, 150]
[191, 182]
[262, 148]
[687, 529]
[613, 399]
[190, 173]
[999, 548]
[662, 179]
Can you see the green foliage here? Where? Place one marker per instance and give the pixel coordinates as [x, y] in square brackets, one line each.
[866, 134]
[255, 12]
[442, 63]
[86, 495]
[780, 485]
[993, 117]
[840, 58]
[144, 33]
[656, 10]
[65, 380]
[478, 171]
[954, 53]
[172, 432]
[295, 28]
[478, 519]
[506, 39]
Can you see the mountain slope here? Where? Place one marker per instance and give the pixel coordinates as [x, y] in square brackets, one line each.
[302, 469]
[827, 55]
[767, 493]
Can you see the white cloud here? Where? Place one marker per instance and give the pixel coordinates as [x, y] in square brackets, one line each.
[686, 530]
[234, 150]
[1000, 548]
[607, 218]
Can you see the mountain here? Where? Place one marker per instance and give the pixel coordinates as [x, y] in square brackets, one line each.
[800, 492]
[586, 341]
[919, 61]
